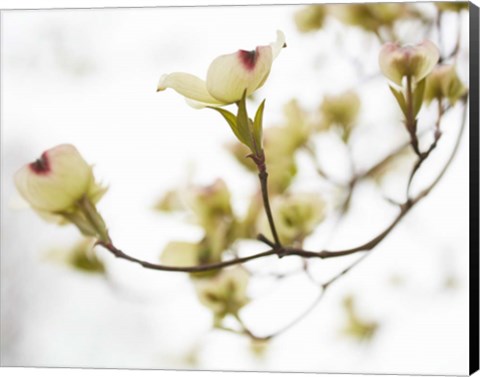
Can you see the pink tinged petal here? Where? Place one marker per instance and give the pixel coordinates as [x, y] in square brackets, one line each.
[426, 56]
[59, 186]
[189, 86]
[391, 60]
[42, 165]
[227, 78]
[416, 61]
[248, 58]
[230, 75]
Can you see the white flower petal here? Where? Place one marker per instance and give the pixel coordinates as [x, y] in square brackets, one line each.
[189, 86]
[414, 61]
[201, 105]
[391, 60]
[56, 181]
[278, 44]
[180, 254]
[427, 57]
[230, 75]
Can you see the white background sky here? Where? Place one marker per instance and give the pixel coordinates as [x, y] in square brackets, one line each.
[132, 134]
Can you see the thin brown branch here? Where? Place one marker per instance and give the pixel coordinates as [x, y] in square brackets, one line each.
[323, 289]
[368, 246]
[343, 272]
[404, 208]
[286, 327]
[289, 251]
[200, 268]
[455, 149]
[424, 155]
[284, 251]
[318, 168]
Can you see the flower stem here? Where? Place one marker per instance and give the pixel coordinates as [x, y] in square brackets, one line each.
[259, 159]
[410, 118]
[423, 156]
[95, 219]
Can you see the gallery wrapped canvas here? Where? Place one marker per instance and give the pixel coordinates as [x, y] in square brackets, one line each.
[281, 188]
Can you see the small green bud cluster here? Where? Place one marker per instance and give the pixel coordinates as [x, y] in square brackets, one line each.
[225, 293]
[408, 67]
[296, 216]
[342, 111]
[357, 327]
[310, 18]
[451, 6]
[444, 83]
[374, 17]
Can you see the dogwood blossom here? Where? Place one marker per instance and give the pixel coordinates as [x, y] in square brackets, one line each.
[228, 76]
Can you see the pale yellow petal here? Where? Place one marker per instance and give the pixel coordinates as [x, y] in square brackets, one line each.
[413, 61]
[189, 86]
[63, 180]
[391, 61]
[278, 44]
[180, 254]
[230, 75]
[426, 57]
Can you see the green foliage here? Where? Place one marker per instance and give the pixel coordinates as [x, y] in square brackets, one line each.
[356, 327]
[372, 17]
[80, 257]
[225, 293]
[452, 6]
[296, 216]
[400, 99]
[257, 126]
[233, 123]
[310, 18]
[86, 262]
[444, 83]
[342, 111]
[248, 132]
[418, 96]
[170, 202]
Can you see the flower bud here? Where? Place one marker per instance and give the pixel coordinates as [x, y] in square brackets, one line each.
[171, 201]
[341, 110]
[228, 76]
[370, 17]
[299, 125]
[310, 18]
[296, 216]
[280, 148]
[409, 61]
[357, 327]
[444, 82]
[57, 181]
[225, 293]
[213, 211]
[80, 256]
[181, 254]
[210, 202]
